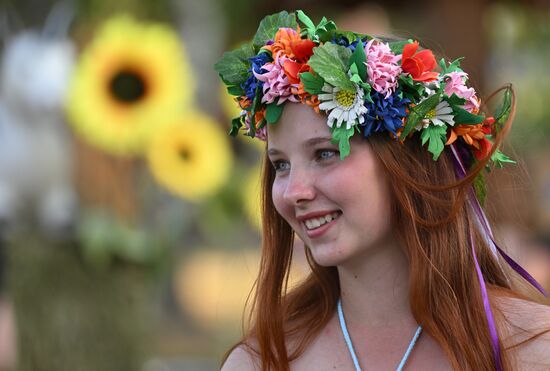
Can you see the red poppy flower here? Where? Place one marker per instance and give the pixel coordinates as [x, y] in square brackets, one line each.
[420, 64]
[485, 146]
[488, 123]
[294, 69]
[302, 49]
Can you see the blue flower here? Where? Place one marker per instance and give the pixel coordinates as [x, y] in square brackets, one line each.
[345, 42]
[252, 83]
[385, 114]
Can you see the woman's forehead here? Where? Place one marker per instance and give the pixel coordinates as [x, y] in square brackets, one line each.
[297, 123]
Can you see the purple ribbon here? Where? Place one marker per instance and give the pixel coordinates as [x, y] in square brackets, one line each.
[487, 307]
[489, 233]
[520, 270]
[486, 229]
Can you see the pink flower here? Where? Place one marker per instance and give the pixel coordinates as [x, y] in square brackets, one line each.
[276, 82]
[382, 67]
[456, 84]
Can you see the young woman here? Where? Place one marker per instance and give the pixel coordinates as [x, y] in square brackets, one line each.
[375, 156]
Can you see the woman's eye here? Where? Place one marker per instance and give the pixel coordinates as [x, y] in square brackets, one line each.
[326, 154]
[281, 165]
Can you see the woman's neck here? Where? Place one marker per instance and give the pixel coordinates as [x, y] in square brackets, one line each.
[375, 288]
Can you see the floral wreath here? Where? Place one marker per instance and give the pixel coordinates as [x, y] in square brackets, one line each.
[380, 86]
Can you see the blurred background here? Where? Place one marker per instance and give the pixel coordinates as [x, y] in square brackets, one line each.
[128, 243]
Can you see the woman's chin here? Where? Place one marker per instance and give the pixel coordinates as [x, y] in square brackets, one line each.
[328, 257]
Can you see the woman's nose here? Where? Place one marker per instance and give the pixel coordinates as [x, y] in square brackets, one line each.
[300, 188]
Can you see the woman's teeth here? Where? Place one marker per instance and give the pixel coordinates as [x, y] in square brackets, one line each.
[317, 222]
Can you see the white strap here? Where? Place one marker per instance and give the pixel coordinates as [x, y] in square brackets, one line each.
[350, 344]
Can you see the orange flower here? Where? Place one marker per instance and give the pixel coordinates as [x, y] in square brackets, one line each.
[474, 135]
[258, 117]
[471, 134]
[418, 64]
[244, 103]
[284, 39]
[294, 69]
[306, 98]
[289, 43]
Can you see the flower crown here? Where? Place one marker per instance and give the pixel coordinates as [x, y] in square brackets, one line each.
[363, 85]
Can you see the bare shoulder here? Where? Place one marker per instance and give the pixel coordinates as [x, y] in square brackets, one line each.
[241, 359]
[527, 331]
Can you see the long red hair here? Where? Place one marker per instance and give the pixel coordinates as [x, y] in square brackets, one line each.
[433, 222]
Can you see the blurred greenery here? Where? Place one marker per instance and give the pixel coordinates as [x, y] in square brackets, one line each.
[73, 317]
[519, 38]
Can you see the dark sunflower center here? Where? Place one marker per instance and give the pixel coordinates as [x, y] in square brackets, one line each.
[184, 154]
[128, 86]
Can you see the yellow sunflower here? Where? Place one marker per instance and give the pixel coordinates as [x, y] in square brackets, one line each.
[129, 80]
[191, 157]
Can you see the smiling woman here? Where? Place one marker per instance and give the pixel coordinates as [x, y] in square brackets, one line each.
[316, 192]
[381, 180]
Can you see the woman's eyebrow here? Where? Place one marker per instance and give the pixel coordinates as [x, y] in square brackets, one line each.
[308, 143]
[273, 152]
[316, 140]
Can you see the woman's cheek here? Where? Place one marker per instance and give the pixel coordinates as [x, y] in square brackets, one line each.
[277, 195]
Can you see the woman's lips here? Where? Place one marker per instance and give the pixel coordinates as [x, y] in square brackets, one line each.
[316, 224]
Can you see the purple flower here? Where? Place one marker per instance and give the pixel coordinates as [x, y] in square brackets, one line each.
[385, 114]
[250, 85]
[345, 42]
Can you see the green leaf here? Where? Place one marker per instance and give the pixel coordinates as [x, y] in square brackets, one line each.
[454, 66]
[454, 100]
[305, 20]
[256, 104]
[418, 112]
[500, 159]
[236, 124]
[411, 89]
[341, 136]
[313, 84]
[461, 116]
[358, 58]
[397, 46]
[348, 35]
[273, 112]
[503, 112]
[326, 36]
[234, 65]
[235, 90]
[436, 137]
[325, 30]
[480, 187]
[330, 61]
[464, 117]
[270, 25]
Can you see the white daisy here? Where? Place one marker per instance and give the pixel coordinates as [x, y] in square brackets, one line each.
[344, 105]
[441, 115]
